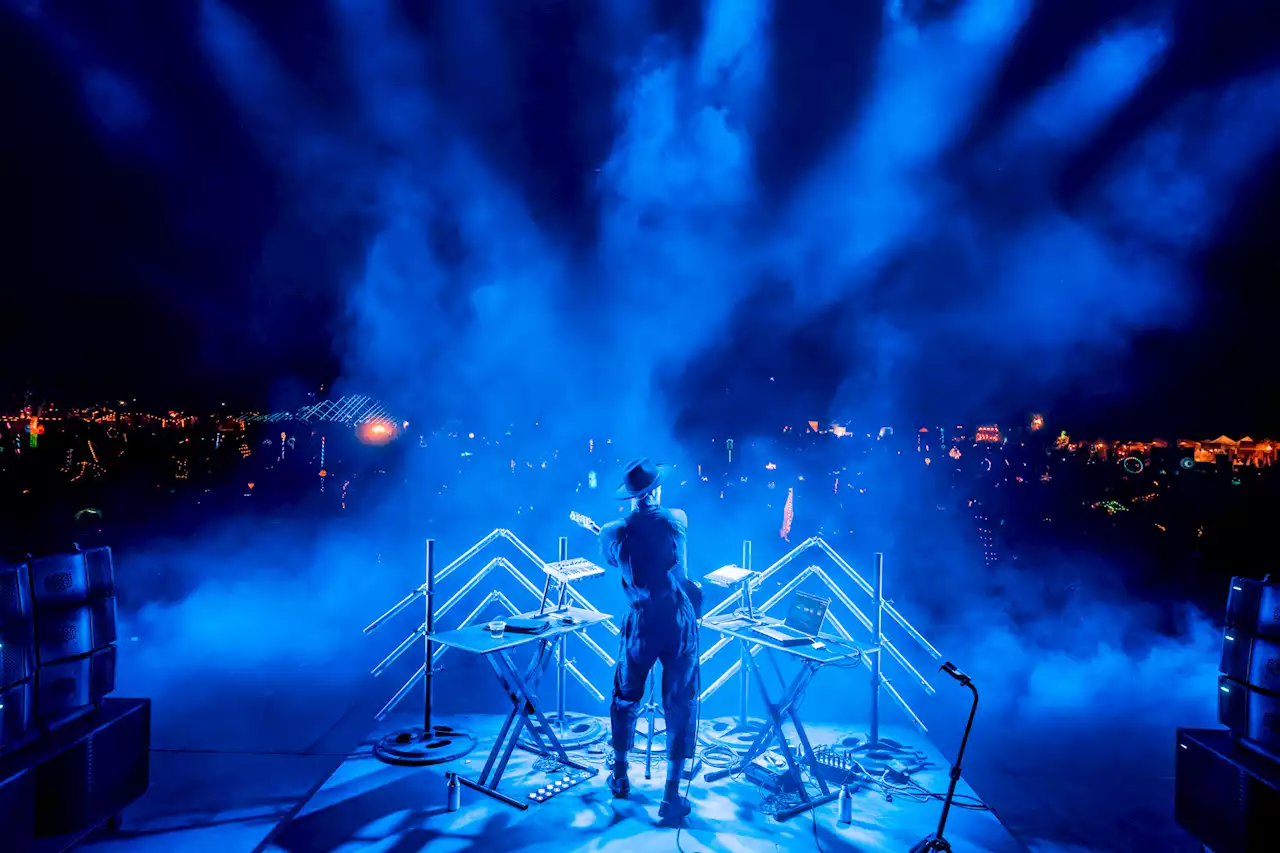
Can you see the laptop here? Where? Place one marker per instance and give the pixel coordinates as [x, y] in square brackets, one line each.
[803, 623]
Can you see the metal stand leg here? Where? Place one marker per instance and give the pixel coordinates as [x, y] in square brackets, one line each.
[562, 652]
[779, 712]
[521, 718]
[877, 678]
[432, 744]
[650, 712]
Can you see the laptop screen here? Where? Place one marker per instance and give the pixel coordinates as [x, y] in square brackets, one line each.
[807, 613]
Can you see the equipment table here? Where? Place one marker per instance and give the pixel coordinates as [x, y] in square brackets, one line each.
[519, 686]
[836, 651]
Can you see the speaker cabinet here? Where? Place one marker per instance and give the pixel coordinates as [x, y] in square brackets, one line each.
[17, 807]
[66, 580]
[1225, 796]
[1253, 607]
[17, 652]
[101, 765]
[1250, 713]
[17, 630]
[17, 716]
[15, 594]
[70, 688]
[1250, 660]
[73, 631]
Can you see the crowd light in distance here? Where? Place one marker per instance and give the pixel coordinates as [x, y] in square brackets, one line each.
[987, 433]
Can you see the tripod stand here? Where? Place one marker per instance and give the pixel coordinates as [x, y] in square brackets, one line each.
[650, 710]
[935, 843]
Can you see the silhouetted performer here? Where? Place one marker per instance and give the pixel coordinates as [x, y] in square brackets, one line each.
[648, 546]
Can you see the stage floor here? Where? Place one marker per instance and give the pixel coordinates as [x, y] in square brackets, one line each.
[366, 805]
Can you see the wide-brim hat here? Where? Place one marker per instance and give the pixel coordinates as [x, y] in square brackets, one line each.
[639, 478]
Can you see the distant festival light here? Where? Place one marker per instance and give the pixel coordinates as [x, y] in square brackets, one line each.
[788, 514]
[989, 433]
[376, 432]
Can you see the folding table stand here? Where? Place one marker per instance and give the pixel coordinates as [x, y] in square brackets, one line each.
[519, 688]
[836, 650]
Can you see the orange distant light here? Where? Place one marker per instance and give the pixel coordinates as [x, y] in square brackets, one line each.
[376, 432]
[324, 473]
[251, 485]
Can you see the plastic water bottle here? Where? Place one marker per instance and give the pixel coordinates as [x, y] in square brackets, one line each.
[846, 805]
[455, 793]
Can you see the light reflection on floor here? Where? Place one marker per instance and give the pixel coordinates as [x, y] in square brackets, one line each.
[369, 806]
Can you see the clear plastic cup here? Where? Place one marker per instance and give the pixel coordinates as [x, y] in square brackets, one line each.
[496, 627]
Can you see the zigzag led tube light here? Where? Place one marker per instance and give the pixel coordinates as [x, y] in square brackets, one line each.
[497, 562]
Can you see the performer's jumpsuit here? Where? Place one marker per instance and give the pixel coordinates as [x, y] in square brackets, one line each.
[648, 546]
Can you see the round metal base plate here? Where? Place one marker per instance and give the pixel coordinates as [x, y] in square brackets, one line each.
[730, 733]
[414, 748]
[577, 731]
[888, 754]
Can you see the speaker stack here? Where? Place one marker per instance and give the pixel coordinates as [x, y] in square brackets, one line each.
[17, 658]
[75, 622]
[70, 758]
[1249, 687]
[1227, 789]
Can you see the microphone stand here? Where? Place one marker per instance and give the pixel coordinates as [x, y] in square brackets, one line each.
[935, 842]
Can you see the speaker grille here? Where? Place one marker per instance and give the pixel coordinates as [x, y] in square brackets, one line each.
[16, 710]
[12, 665]
[11, 609]
[60, 582]
[17, 653]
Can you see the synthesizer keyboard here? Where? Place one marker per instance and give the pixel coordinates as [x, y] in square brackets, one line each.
[569, 571]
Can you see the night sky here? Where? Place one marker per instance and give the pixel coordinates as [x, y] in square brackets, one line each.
[156, 247]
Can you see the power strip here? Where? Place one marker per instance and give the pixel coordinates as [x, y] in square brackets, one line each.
[559, 786]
